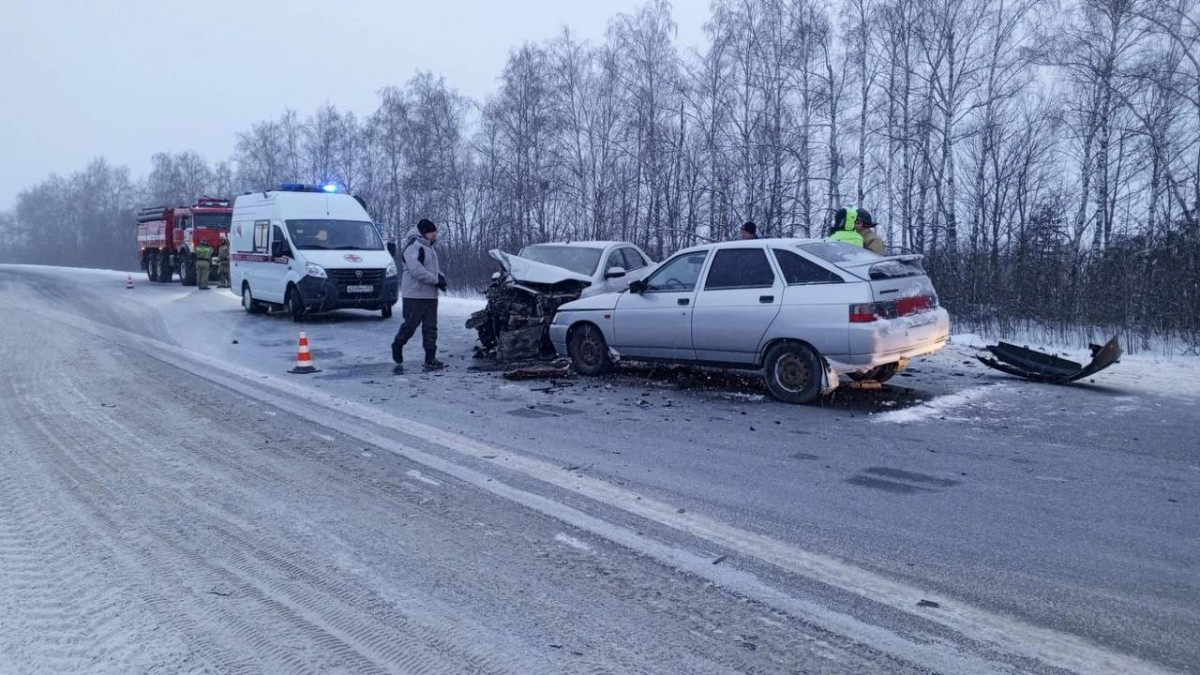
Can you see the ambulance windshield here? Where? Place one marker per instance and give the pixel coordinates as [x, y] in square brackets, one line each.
[334, 235]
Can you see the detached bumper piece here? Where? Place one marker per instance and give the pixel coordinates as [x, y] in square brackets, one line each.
[1043, 367]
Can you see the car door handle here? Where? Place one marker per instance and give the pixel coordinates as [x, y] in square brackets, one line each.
[682, 302]
[766, 299]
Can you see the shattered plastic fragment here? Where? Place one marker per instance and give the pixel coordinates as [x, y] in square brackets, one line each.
[1043, 367]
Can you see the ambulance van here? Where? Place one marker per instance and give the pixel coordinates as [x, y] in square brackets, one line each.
[309, 248]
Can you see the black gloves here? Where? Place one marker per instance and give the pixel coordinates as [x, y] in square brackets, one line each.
[441, 284]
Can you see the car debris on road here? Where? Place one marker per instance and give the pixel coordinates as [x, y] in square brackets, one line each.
[1042, 367]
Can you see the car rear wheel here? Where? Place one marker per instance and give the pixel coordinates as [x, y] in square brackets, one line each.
[386, 310]
[793, 372]
[589, 351]
[879, 373]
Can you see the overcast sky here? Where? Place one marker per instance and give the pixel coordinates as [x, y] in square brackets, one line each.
[127, 78]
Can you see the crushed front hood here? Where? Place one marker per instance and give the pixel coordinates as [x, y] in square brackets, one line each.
[530, 272]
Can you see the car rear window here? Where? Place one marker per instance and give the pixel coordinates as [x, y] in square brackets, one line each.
[740, 268]
[847, 255]
[838, 253]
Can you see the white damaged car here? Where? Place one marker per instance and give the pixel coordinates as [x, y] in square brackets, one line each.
[530, 286]
[801, 311]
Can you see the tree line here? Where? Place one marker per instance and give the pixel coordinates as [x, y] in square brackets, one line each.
[1045, 157]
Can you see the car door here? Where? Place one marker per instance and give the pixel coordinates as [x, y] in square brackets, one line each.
[740, 298]
[815, 304]
[657, 322]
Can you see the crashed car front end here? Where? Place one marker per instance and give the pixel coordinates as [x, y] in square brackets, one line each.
[521, 304]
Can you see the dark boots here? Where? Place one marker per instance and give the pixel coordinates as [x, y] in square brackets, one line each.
[431, 362]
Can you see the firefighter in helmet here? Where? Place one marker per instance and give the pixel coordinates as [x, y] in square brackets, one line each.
[223, 263]
[204, 254]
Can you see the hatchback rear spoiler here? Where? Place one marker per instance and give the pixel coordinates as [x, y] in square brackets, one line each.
[904, 257]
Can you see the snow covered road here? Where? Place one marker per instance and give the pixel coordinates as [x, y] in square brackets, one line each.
[357, 520]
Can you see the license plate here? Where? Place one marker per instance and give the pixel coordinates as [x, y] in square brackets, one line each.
[360, 289]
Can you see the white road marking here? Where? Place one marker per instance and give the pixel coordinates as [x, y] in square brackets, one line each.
[417, 475]
[572, 541]
[1001, 633]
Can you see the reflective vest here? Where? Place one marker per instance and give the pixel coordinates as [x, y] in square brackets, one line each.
[847, 235]
[204, 252]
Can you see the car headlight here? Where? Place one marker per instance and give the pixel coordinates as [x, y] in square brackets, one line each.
[391, 269]
[314, 270]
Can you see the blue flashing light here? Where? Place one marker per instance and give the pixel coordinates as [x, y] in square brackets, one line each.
[329, 187]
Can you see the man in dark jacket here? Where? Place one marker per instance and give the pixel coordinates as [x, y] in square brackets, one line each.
[749, 231]
[419, 288]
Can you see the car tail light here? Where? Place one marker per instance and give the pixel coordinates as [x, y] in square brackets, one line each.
[906, 306]
[864, 313]
[891, 309]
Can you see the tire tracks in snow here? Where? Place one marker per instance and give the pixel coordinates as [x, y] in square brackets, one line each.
[291, 613]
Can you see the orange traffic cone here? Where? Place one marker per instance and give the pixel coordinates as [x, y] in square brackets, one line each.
[129, 283]
[304, 364]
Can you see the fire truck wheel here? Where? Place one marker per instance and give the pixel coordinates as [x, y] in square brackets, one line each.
[152, 266]
[164, 269]
[187, 270]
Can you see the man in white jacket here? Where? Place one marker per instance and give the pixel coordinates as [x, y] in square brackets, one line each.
[419, 289]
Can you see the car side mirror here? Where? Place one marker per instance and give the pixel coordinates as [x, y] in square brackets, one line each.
[638, 286]
[278, 249]
[615, 273]
[391, 248]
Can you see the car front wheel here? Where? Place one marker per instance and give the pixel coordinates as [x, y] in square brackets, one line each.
[589, 351]
[793, 372]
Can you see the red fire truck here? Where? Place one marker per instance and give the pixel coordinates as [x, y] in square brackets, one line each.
[167, 237]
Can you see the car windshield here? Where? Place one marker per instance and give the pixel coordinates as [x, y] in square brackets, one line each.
[334, 235]
[216, 221]
[578, 259]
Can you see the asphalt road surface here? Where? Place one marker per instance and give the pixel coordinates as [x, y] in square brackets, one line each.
[172, 501]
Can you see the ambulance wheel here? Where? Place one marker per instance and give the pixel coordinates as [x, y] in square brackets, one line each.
[793, 372]
[294, 305]
[251, 305]
[386, 311]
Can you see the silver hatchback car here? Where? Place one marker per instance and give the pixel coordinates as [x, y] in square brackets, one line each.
[803, 311]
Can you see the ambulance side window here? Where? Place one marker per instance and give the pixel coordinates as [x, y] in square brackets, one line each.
[277, 235]
[260, 236]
